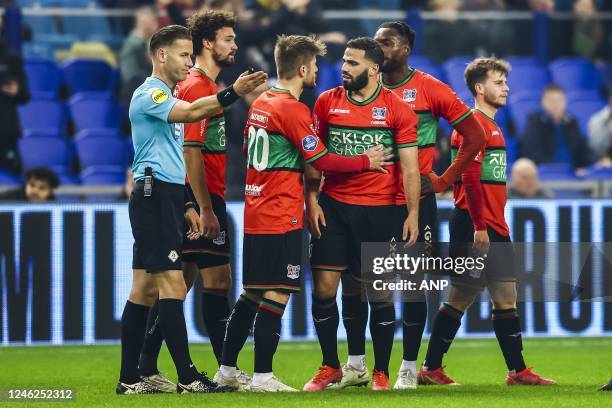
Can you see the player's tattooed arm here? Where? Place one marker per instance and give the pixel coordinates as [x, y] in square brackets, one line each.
[412, 190]
[314, 213]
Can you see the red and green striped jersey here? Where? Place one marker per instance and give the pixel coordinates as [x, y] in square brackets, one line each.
[349, 128]
[492, 157]
[280, 138]
[208, 134]
[430, 99]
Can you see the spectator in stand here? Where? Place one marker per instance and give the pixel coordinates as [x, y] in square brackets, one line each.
[457, 35]
[173, 11]
[13, 92]
[552, 135]
[134, 60]
[524, 181]
[588, 30]
[39, 187]
[600, 131]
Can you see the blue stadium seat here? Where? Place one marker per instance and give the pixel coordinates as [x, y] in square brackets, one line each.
[55, 41]
[93, 110]
[598, 173]
[575, 74]
[432, 69]
[583, 95]
[9, 179]
[43, 151]
[83, 75]
[103, 175]
[556, 171]
[329, 75]
[43, 78]
[42, 115]
[528, 77]
[453, 70]
[416, 60]
[100, 150]
[41, 133]
[583, 110]
[36, 50]
[521, 105]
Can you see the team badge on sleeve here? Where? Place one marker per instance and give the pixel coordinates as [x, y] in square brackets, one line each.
[159, 96]
[310, 143]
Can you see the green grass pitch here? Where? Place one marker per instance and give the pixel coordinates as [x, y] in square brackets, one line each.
[580, 366]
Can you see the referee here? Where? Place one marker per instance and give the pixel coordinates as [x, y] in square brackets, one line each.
[157, 206]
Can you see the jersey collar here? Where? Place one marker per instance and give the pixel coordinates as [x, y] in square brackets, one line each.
[282, 90]
[367, 101]
[402, 83]
[201, 71]
[486, 116]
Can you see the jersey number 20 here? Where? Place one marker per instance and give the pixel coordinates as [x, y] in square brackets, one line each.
[259, 148]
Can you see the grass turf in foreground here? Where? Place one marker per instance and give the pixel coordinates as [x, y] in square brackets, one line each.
[580, 366]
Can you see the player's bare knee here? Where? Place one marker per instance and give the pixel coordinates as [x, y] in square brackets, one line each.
[217, 277]
[461, 297]
[503, 305]
[277, 296]
[252, 295]
[325, 284]
[171, 285]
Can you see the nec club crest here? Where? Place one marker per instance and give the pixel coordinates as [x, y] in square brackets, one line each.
[409, 95]
[379, 113]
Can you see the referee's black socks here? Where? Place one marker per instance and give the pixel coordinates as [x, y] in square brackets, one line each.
[215, 311]
[153, 339]
[446, 324]
[382, 329]
[133, 324]
[326, 320]
[239, 324]
[507, 329]
[267, 333]
[174, 330]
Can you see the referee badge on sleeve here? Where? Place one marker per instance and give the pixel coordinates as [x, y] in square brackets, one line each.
[159, 96]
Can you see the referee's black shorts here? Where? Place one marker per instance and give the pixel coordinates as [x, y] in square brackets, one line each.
[158, 226]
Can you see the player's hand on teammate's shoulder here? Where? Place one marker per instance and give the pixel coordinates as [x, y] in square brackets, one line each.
[481, 243]
[248, 81]
[379, 157]
[191, 218]
[314, 218]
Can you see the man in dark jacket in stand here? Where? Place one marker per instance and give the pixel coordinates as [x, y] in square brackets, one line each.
[553, 135]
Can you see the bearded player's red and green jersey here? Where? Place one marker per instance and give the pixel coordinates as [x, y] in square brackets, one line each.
[349, 128]
[280, 138]
[492, 158]
[430, 99]
[208, 134]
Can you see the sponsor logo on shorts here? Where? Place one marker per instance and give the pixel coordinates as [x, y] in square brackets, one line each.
[379, 113]
[159, 96]
[294, 221]
[309, 143]
[173, 256]
[293, 271]
[253, 190]
[220, 240]
[409, 95]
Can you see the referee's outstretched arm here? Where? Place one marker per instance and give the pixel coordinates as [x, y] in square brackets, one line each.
[185, 112]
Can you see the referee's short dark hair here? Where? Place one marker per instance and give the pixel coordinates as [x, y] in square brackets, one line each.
[166, 36]
[403, 29]
[373, 52]
[205, 24]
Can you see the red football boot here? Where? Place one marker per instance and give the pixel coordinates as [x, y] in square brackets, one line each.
[528, 377]
[325, 376]
[434, 377]
[380, 381]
